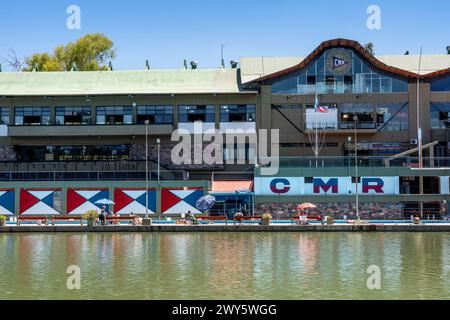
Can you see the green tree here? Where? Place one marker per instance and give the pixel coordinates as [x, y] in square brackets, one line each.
[89, 53]
[370, 48]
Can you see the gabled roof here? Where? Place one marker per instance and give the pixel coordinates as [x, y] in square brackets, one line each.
[343, 43]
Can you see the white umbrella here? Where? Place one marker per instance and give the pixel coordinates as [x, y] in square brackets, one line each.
[105, 201]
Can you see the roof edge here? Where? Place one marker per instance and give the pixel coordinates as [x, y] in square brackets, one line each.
[340, 42]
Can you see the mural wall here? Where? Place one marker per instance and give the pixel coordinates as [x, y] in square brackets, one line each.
[81, 200]
[180, 200]
[129, 200]
[40, 201]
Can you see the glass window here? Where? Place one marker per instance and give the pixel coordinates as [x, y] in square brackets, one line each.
[26, 116]
[439, 114]
[337, 71]
[73, 115]
[4, 115]
[114, 115]
[155, 114]
[440, 85]
[237, 113]
[192, 113]
[392, 116]
[363, 111]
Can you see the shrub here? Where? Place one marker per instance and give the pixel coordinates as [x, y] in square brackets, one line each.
[90, 214]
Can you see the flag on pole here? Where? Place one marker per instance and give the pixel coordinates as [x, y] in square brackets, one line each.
[318, 107]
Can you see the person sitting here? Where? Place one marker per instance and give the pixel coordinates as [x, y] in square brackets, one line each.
[238, 217]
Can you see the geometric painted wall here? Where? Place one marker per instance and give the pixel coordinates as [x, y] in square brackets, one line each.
[7, 201]
[179, 200]
[132, 200]
[81, 200]
[40, 201]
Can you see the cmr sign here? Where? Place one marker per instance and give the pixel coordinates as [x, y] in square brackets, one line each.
[296, 186]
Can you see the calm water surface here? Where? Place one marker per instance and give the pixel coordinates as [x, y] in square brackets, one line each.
[225, 265]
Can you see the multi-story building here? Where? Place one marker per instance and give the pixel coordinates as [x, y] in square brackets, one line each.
[89, 127]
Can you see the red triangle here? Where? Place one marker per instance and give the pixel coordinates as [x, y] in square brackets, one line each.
[27, 200]
[74, 200]
[168, 200]
[121, 200]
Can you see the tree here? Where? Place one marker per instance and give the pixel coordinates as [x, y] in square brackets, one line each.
[370, 48]
[89, 53]
[13, 62]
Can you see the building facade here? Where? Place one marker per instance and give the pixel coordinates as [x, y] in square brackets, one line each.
[90, 126]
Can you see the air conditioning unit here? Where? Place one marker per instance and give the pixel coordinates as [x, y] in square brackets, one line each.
[414, 142]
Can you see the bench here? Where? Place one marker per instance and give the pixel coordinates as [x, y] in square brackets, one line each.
[51, 219]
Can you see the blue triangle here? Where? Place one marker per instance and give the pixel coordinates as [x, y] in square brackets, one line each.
[100, 195]
[7, 201]
[48, 200]
[151, 200]
[193, 197]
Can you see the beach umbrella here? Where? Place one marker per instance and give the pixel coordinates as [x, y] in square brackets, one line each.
[104, 201]
[306, 205]
[205, 202]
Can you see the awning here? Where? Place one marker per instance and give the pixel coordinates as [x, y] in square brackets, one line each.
[232, 186]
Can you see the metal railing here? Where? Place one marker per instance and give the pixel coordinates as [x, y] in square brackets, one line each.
[412, 162]
[341, 125]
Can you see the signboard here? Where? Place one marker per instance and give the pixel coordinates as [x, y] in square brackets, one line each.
[338, 62]
[297, 186]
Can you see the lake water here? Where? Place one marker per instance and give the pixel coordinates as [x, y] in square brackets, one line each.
[290, 265]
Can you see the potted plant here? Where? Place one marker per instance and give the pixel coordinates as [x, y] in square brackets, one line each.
[265, 219]
[90, 216]
[2, 221]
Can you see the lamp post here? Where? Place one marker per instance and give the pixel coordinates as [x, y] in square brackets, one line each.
[146, 221]
[158, 143]
[355, 118]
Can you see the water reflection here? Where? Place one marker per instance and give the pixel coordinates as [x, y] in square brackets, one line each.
[225, 265]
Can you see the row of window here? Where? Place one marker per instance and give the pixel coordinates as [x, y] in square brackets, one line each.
[155, 114]
[338, 71]
[385, 116]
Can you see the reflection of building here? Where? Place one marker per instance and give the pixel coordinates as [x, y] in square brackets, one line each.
[104, 113]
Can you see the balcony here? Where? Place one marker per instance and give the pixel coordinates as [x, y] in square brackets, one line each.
[88, 130]
[342, 127]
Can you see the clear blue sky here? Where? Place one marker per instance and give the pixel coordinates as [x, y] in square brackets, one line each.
[168, 31]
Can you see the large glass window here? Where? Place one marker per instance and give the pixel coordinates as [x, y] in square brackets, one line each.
[73, 115]
[72, 153]
[4, 115]
[392, 116]
[441, 85]
[363, 112]
[194, 113]
[115, 115]
[338, 71]
[155, 114]
[237, 113]
[439, 114]
[26, 116]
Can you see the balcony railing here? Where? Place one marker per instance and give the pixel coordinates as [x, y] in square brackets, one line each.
[341, 125]
[345, 161]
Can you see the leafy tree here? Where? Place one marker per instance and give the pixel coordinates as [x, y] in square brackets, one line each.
[89, 53]
[370, 48]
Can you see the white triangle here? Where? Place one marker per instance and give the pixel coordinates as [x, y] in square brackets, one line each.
[40, 194]
[5, 211]
[182, 193]
[134, 194]
[134, 207]
[40, 208]
[82, 208]
[181, 207]
[2, 192]
[87, 194]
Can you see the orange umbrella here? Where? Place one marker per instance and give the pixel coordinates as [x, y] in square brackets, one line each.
[306, 205]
